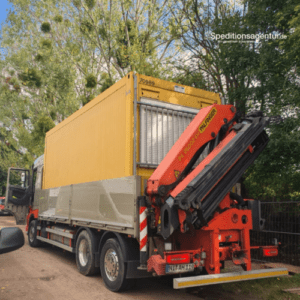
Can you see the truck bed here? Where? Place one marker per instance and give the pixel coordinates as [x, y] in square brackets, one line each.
[106, 204]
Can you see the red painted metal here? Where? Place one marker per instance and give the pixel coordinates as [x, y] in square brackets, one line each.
[31, 212]
[209, 239]
[220, 230]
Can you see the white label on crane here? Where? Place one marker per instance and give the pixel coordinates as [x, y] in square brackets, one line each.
[179, 89]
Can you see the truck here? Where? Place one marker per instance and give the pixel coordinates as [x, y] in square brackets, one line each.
[138, 183]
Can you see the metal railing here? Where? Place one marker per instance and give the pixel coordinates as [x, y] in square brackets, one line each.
[283, 224]
[160, 127]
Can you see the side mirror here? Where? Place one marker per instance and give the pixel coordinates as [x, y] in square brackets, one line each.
[11, 238]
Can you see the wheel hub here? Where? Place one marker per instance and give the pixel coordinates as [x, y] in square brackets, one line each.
[111, 263]
[83, 253]
[31, 234]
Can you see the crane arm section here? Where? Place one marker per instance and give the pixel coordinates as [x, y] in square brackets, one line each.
[186, 192]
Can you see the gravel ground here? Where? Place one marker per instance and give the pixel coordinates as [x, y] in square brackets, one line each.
[49, 273]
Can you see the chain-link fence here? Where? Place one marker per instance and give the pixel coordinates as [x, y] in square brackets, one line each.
[283, 224]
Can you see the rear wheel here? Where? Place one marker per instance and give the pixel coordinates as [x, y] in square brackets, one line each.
[113, 268]
[85, 259]
[32, 233]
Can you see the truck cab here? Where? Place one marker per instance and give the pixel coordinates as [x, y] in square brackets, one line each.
[23, 185]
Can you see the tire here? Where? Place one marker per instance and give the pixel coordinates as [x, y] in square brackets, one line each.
[112, 266]
[85, 259]
[32, 232]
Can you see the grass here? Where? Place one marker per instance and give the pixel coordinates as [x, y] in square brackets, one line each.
[267, 289]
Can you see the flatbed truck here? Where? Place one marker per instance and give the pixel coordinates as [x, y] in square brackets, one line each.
[138, 183]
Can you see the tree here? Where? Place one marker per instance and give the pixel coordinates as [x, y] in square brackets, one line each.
[61, 54]
[10, 156]
[277, 169]
[259, 75]
[222, 68]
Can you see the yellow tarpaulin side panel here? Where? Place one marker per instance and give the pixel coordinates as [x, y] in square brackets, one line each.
[94, 142]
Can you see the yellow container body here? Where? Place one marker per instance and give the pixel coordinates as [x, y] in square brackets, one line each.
[97, 142]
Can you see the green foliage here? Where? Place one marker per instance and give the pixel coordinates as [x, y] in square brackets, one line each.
[46, 27]
[43, 124]
[186, 77]
[58, 19]
[261, 75]
[31, 78]
[67, 22]
[266, 288]
[102, 32]
[46, 43]
[91, 81]
[9, 157]
[86, 27]
[87, 99]
[53, 114]
[77, 3]
[90, 3]
[106, 82]
[275, 175]
[39, 57]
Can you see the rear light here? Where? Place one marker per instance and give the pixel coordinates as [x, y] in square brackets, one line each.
[270, 251]
[178, 258]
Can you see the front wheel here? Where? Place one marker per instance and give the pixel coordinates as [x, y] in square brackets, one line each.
[32, 233]
[113, 268]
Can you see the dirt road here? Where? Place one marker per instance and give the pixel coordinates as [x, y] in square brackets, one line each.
[50, 273]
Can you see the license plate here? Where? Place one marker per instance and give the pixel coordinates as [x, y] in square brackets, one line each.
[179, 268]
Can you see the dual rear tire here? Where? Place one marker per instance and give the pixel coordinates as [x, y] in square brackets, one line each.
[112, 265]
[113, 268]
